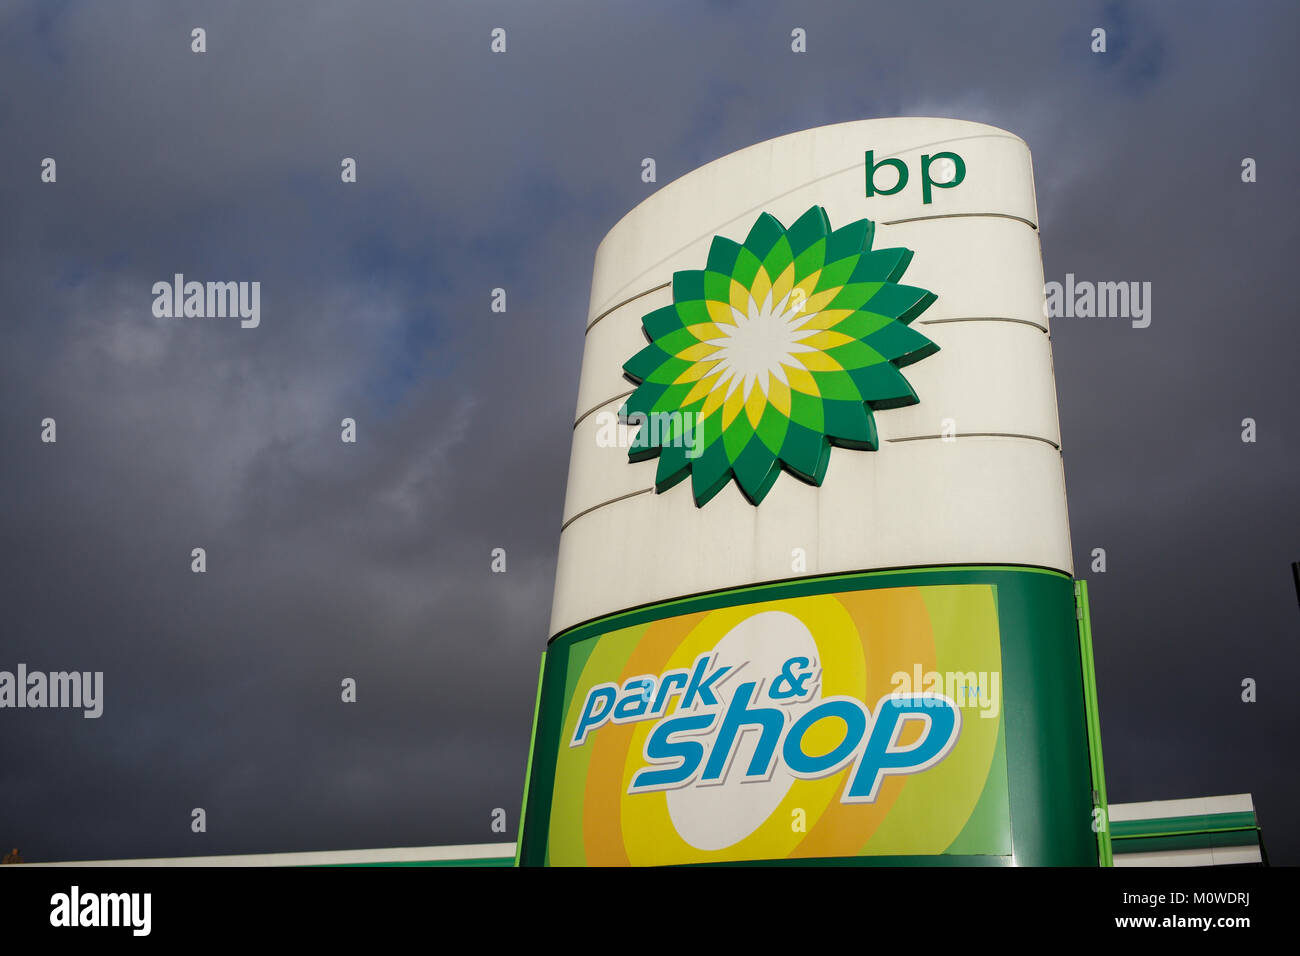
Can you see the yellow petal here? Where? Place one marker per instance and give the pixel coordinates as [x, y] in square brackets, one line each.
[696, 372]
[701, 350]
[701, 388]
[819, 362]
[826, 340]
[713, 402]
[778, 393]
[705, 331]
[740, 297]
[826, 319]
[732, 406]
[720, 312]
[801, 380]
[822, 299]
[783, 284]
[809, 282]
[754, 405]
[761, 286]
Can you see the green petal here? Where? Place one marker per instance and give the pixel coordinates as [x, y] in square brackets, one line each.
[809, 229]
[861, 324]
[673, 396]
[882, 265]
[854, 296]
[836, 274]
[765, 233]
[837, 386]
[693, 312]
[642, 365]
[855, 354]
[900, 344]
[736, 436]
[717, 286]
[807, 411]
[756, 470]
[902, 302]
[850, 241]
[850, 424]
[642, 400]
[883, 386]
[669, 371]
[779, 259]
[709, 474]
[722, 256]
[661, 322]
[673, 467]
[747, 265]
[806, 453]
[771, 428]
[810, 260]
[677, 341]
[687, 285]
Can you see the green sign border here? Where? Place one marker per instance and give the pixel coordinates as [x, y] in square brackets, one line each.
[1048, 767]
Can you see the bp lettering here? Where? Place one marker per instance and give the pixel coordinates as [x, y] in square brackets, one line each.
[944, 170]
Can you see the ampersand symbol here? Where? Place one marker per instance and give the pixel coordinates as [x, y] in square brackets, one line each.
[790, 683]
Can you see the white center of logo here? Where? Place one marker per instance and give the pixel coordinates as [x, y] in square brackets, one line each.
[761, 343]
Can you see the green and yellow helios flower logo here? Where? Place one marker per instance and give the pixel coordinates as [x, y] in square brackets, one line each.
[779, 348]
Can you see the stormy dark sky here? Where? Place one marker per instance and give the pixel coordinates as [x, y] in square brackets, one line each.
[476, 171]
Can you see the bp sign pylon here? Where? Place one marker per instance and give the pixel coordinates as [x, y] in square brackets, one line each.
[876, 658]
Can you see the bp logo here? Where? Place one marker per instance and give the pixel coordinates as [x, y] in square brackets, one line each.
[781, 347]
